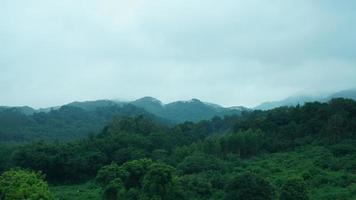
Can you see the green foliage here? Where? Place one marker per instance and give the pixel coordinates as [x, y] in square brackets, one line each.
[135, 171]
[294, 189]
[107, 174]
[66, 123]
[245, 143]
[199, 162]
[196, 186]
[86, 191]
[254, 156]
[138, 124]
[21, 184]
[115, 190]
[142, 179]
[158, 181]
[60, 162]
[249, 187]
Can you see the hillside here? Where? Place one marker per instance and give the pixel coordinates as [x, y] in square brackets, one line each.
[307, 151]
[65, 123]
[180, 111]
[78, 119]
[301, 100]
[193, 110]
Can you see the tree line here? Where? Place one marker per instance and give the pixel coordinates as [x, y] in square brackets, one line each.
[236, 157]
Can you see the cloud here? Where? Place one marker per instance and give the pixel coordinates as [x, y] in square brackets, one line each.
[231, 52]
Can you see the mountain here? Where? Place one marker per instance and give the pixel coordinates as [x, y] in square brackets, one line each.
[348, 94]
[180, 111]
[93, 105]
[308, 152]
[193, 110]
[22, 109]
[78, 119]
[239, 108]
[301, 100]
[66, 123]
[46, 110]
[291, 101]
[150, 104]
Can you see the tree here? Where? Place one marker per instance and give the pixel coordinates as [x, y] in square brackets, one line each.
[22, 184]
[196, 186]
[107, 174]
[248, 187]
[115, 190]
[138, 179]
[294, 189]
[199, 162]
[245, 143]
[158, 181]
[135, 171]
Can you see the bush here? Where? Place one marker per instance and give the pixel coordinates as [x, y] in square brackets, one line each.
[294, 189]
[249, 187]
[22, 184]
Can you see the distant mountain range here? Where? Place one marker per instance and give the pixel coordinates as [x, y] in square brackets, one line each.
[64, 123]
[295, 100]
[193, 110]
[22, 109]
[179, 111]
[78, 119]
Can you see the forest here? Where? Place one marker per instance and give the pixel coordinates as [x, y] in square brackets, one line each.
[288, 153]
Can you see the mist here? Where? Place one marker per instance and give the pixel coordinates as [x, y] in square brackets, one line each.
[232, 52]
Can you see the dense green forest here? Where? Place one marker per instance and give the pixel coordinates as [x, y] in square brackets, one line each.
[80, 119]
[63, 124]
[288, 153]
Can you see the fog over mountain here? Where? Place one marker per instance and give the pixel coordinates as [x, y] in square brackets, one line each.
[301, 100]
[232, 52]
[177, 100]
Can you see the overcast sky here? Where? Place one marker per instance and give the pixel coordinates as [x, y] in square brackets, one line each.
[230, 52]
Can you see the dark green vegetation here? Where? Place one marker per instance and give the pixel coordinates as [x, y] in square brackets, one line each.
[294, 153]
[181, 111]
[79, 119]
[65, 123]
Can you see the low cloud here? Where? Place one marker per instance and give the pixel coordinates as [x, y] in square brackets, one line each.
[230, 52]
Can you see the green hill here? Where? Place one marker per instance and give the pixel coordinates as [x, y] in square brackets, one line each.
[303, 152]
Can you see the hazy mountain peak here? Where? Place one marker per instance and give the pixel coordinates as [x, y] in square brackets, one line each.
[22, 109]
[191, 101]
[290, 101]
[93, 105]
[302, 99]
[195, 100]
[349, 94]
[148, 99]
[240, 108]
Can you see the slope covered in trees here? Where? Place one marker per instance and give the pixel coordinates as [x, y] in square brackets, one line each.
[65, 123]
[306, 152]
[79, 119]
[301, 100]
[181, 111]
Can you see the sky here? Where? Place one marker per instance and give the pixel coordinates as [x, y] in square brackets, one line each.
[230, 52]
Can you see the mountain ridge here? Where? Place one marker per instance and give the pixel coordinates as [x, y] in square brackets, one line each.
[302, 99]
